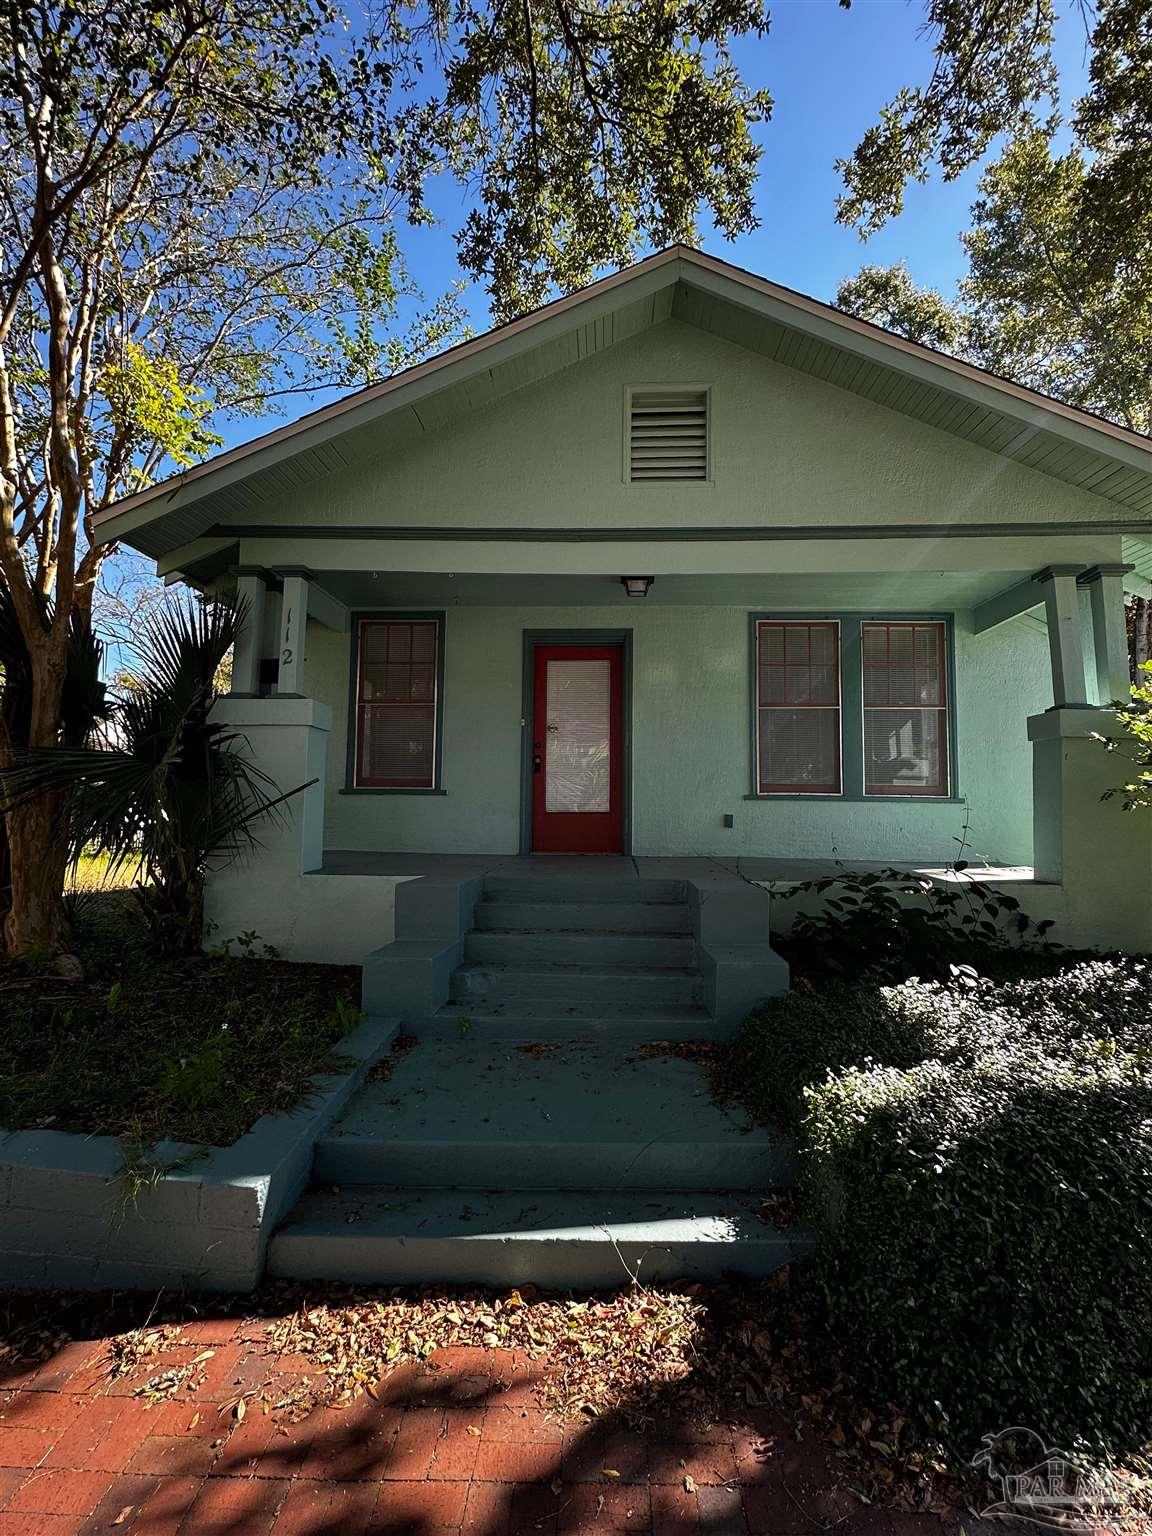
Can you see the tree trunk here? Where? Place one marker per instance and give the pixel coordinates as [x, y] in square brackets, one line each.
[38, 849]
[37, 832]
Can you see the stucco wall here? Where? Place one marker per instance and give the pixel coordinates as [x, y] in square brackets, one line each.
[787, 448]
[690, 744]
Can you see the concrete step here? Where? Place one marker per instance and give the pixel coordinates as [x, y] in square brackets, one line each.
[386, 1235]
[546, 1019]
[578, 983]
[579, 915]
[676, 951]
[478, 1113]
[583, 889]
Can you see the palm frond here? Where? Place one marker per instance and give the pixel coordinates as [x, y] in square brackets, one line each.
[179, 792]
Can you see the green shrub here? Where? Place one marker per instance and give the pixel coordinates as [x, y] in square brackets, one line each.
[891, 923]
[799, 1038]
[986, 1213]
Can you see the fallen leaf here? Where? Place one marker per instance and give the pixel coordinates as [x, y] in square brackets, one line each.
[689, 1483]
[472, 1430]
[123, 1515]
[240, 1410]
[609, 1472]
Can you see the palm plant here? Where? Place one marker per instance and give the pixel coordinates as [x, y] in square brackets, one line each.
[167, 789]
[83, 703]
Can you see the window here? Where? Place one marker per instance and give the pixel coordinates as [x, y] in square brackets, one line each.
[854, 707]
[798, 707]
[668, 434]
[904, 689]
[397, 702]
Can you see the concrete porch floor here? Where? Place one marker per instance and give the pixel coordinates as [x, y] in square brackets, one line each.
[627, 868]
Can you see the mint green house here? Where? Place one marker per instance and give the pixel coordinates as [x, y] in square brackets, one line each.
[692, 577]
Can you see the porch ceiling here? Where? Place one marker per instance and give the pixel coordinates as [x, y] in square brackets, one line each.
[888, 591]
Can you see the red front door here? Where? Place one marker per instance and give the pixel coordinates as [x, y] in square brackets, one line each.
[577, 719]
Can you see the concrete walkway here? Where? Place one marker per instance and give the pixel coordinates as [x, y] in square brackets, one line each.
[455, 1446]
[592, 1112]
[582, 1162]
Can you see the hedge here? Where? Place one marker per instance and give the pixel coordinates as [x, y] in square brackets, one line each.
[985, 1209]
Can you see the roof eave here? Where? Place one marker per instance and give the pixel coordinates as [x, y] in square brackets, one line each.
[722, 279]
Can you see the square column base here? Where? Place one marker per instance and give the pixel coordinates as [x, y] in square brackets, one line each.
[1099, 854]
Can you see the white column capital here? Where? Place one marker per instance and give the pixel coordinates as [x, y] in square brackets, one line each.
[1097, 573]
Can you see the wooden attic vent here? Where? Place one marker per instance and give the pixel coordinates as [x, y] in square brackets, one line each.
[668, 434]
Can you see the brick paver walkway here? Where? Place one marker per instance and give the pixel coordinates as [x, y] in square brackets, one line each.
[458, 1445]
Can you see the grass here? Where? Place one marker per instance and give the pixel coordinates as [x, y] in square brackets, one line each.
[190, 1050]
[92, 874]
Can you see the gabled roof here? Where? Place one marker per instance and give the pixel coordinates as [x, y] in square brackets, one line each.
[677, 283]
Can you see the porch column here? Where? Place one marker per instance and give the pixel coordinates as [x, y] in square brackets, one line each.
[251, 589]
[293, 627]
[1065, 637]
[1105, 585]
[1099, 855]
[260, 890]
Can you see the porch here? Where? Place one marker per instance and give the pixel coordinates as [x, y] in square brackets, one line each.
[780, 872]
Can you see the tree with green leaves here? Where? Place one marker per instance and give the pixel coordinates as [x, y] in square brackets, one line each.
[1059, 288]
[994, 79]
[201, 208]
[1035, 304]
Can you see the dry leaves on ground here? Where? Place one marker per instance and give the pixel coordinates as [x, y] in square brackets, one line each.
[597, 1352]
[707, 1354]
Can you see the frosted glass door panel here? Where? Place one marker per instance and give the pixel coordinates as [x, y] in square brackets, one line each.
[578, 735]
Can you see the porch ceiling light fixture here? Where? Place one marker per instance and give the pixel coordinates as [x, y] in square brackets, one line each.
[636, 586]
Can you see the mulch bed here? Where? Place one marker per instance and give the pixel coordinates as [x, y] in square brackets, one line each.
[190, 1050]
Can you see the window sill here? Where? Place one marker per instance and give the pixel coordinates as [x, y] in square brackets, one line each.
[384, 789]
[865, 799]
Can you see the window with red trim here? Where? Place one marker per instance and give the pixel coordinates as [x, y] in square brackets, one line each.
[798, 706]
[397, 682]
[905, 700]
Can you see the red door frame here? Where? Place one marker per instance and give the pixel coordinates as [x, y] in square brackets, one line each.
[577, 832]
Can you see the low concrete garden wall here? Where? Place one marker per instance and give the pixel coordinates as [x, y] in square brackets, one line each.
[74, 1213]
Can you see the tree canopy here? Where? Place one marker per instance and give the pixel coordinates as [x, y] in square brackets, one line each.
[1036, 304]
[994, 80]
